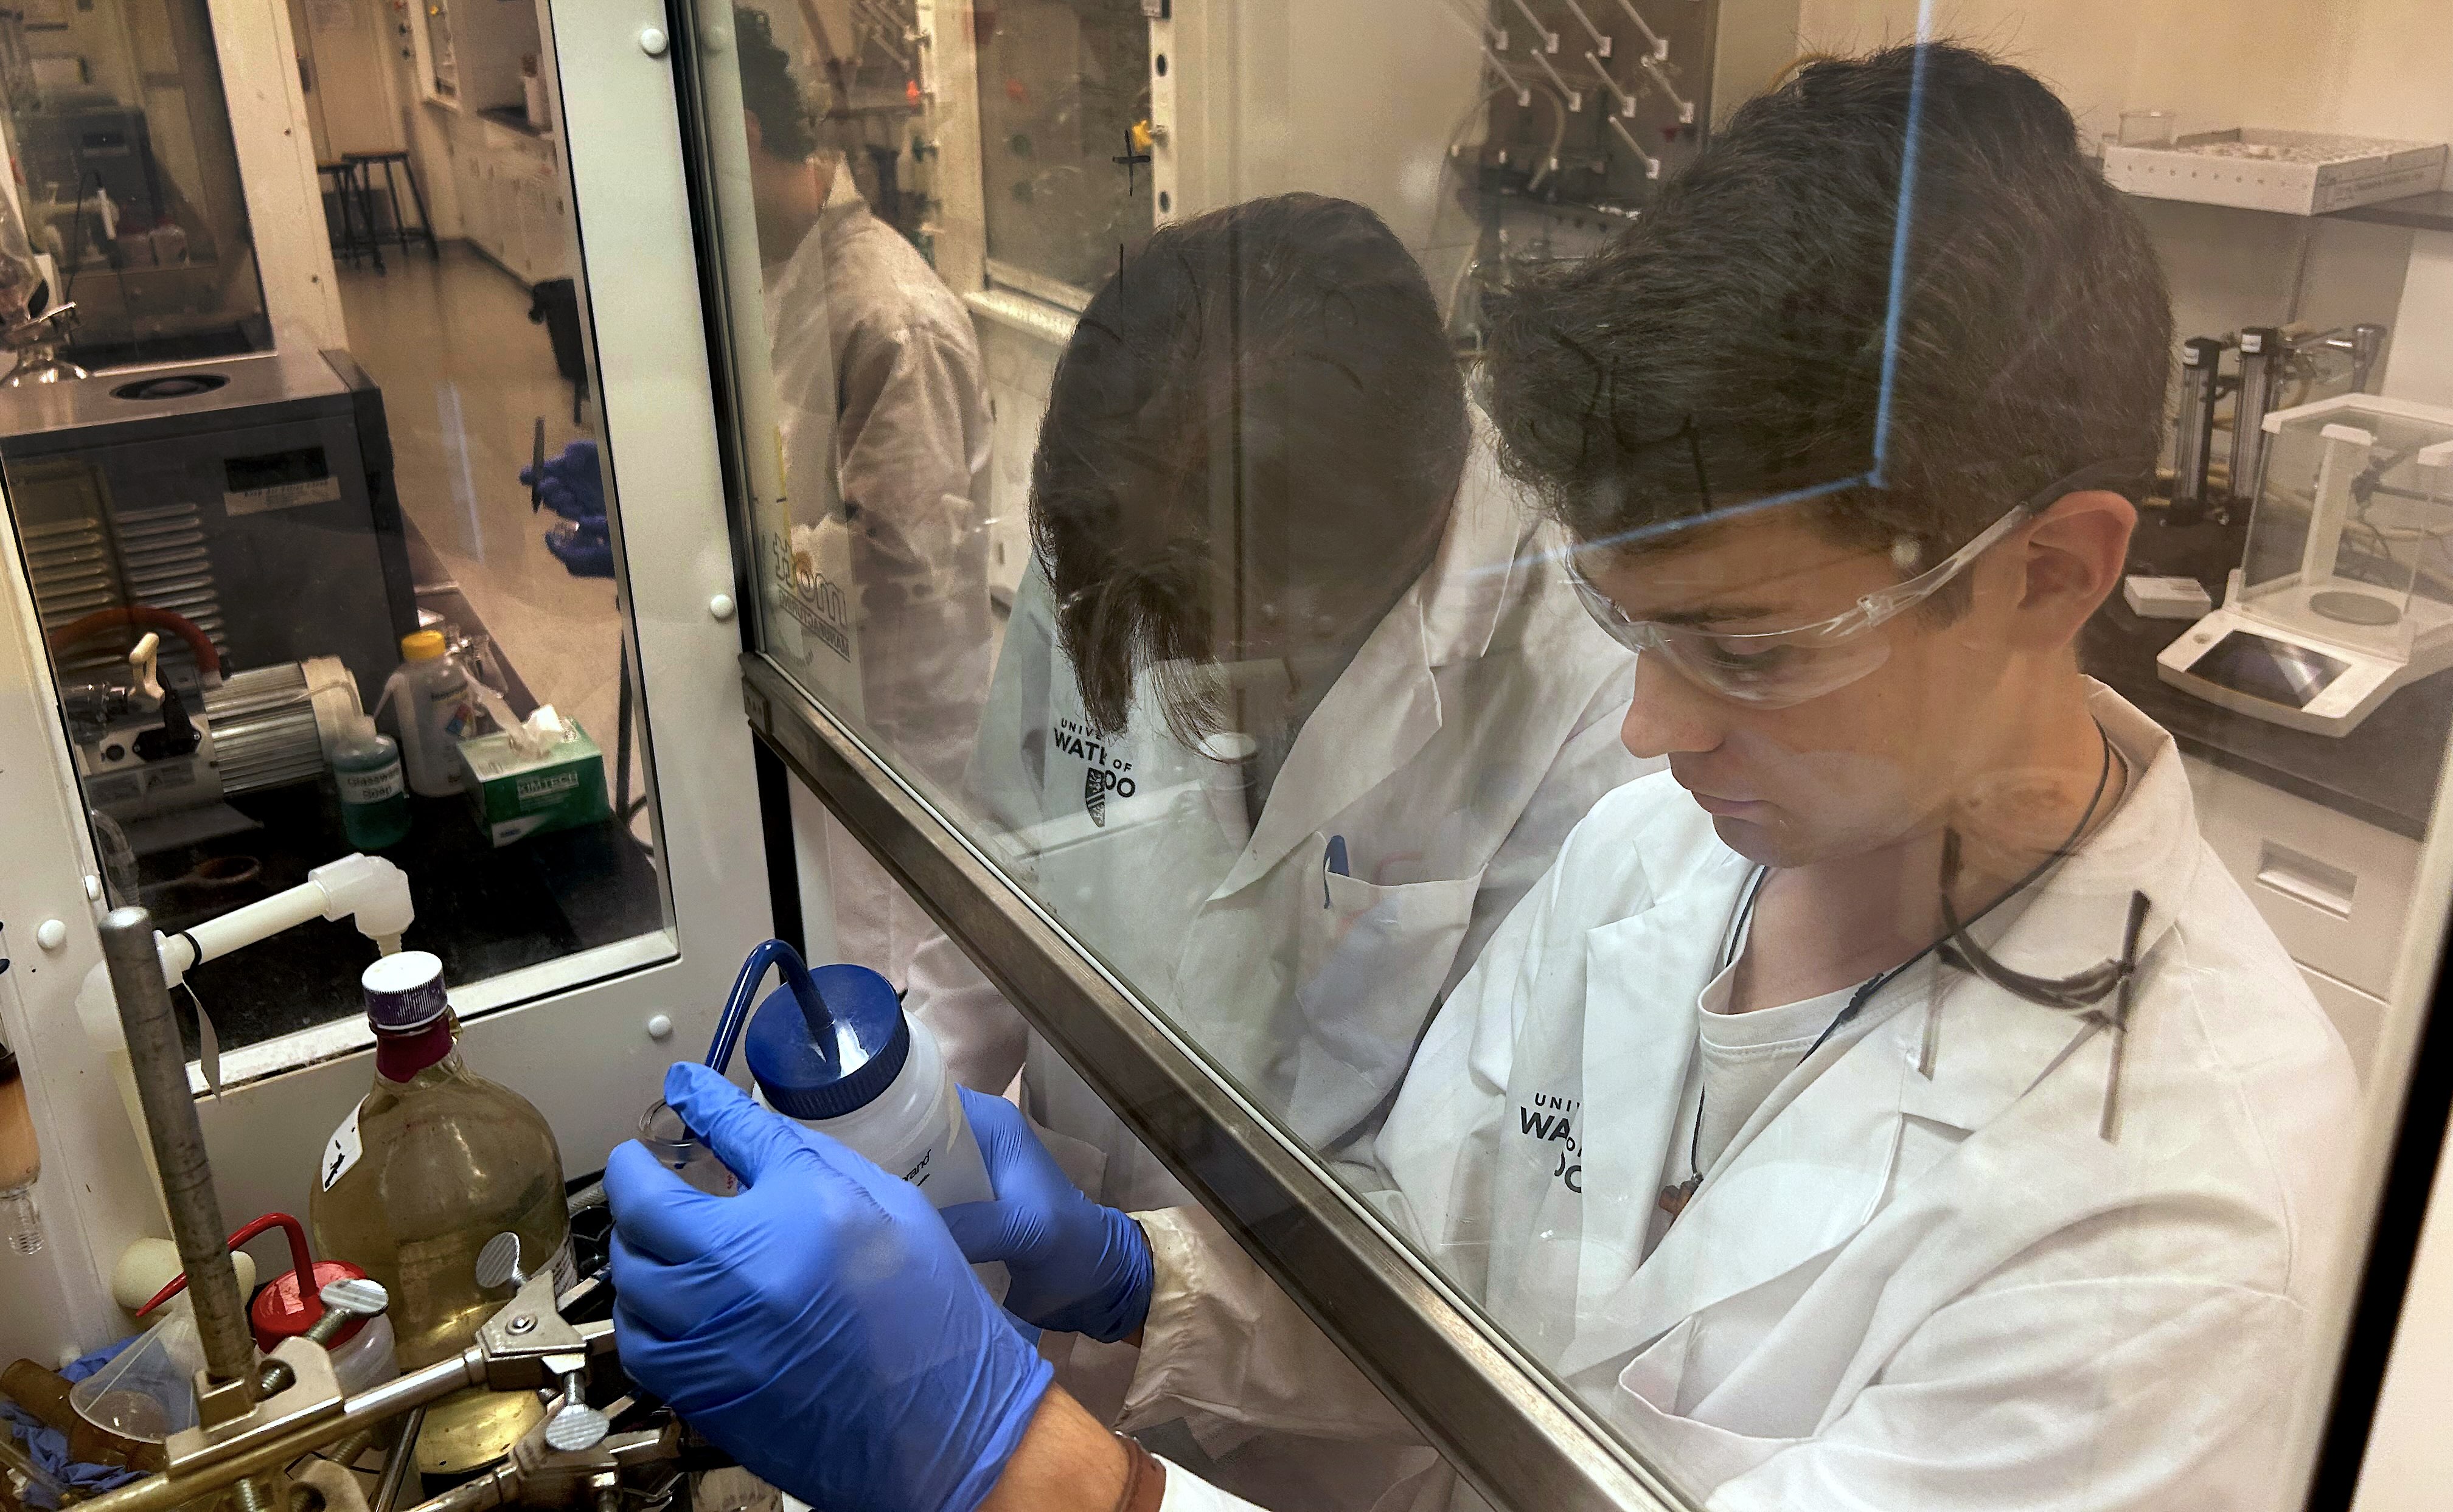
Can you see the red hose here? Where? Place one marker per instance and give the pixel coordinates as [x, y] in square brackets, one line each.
[299, 1258]
[208, 661]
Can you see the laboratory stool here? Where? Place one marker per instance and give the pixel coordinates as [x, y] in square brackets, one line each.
[400, 234]
[352, 223]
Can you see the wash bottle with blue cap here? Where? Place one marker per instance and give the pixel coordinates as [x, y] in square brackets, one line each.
[833, 1049]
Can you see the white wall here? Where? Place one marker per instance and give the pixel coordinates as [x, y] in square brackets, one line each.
[2376, 67]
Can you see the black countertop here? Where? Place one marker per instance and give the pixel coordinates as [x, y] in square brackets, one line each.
[2431, 211]
[515, 118]
[2382, 773]
[484, 910]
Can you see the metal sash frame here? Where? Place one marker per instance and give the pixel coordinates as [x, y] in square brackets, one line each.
[1519, 1440]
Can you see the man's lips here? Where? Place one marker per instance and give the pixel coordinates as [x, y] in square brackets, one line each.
[1728, 807]
[1715, 804]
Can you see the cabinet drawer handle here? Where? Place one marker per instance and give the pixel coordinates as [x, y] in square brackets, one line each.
[2308, 879]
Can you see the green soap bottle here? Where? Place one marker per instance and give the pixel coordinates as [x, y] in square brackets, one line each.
[374, 800]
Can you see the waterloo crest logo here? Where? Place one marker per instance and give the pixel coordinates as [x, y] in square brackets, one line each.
[1104, 769]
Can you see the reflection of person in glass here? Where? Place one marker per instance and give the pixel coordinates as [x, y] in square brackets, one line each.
[1297, 701]
[1897, 1105]
[868, 343]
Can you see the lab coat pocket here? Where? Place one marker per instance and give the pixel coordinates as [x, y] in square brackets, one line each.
[1695, 1455]
[1374, 960]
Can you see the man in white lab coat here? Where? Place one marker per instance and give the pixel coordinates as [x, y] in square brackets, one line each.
[1292, 810]
[869, 347]
[1296, 836]
[1823, 1200]
[1894, 1104]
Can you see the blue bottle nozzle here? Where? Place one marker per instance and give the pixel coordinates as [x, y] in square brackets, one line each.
[774, 953]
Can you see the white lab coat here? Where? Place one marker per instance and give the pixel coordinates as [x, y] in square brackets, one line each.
[1894, 1291]
[1476, 724]
[867, 340]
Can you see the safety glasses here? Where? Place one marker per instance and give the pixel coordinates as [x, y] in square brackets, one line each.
[1779, 668]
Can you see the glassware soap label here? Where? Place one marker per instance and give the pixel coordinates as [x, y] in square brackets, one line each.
[371, 788]
[341, 1150]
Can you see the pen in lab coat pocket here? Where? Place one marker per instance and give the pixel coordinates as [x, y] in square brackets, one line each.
[1333, 865]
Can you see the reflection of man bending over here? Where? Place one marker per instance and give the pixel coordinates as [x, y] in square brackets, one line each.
[1894, 1106]
[868, 341]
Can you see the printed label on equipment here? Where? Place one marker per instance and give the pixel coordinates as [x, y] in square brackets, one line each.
[341, 1150]
[565, 1268]
[283, 496]
[370, 787]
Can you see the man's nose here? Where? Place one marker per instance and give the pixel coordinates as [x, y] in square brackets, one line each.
[1670, 716]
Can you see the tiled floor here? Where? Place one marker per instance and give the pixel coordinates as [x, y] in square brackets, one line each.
[465, 375]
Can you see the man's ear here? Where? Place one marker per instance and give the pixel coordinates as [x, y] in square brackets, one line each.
[2071, 561]
[757, 133]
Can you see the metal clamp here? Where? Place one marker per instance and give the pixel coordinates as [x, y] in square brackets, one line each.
[541, 1475]
[313, 1396]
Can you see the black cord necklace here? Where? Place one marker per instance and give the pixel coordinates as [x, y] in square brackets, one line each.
[1956, 949]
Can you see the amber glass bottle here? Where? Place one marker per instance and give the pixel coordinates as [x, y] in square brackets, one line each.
[431, 1163]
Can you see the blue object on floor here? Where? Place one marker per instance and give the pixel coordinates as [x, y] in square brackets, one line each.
[50, 1446]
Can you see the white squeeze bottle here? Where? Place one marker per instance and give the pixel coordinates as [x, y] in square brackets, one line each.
[433, 707]
[844, 1058]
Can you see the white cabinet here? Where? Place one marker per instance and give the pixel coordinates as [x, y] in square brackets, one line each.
[478, 220]
[2335, 889]
[515, 206]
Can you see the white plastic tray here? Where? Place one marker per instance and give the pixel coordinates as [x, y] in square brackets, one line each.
[2295, 173]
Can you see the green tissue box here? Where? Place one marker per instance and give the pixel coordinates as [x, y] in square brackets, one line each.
[518, 795]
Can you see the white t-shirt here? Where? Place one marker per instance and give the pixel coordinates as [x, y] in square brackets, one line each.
[1742, 1056]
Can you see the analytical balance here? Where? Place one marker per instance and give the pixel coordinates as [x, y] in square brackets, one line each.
[2344, 591]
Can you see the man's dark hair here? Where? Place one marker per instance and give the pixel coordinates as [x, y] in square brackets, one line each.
[1730, 346]
[1264, 397]
[769, 90]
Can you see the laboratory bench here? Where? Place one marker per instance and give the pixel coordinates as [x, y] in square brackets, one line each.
[2321, 833]
[515, 118]
[2382, 773]
[484, 909]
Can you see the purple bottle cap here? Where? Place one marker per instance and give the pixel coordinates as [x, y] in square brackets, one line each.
[404, 991]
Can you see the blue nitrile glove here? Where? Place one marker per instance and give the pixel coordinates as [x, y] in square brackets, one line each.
[583, 546]
[572, 487]
[820, 1326]
[1077, 1268]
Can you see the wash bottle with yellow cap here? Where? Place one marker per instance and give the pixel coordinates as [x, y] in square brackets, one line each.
[433, 707]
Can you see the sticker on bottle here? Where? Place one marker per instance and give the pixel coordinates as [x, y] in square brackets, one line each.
[370, 787]
[565, 1268]
[341, 1150]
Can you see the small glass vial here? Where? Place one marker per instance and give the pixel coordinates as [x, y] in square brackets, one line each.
[375, 796]
[21, 1161]
[678, 1150]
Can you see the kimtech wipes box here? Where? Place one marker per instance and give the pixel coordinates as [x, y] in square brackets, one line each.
[519, 793]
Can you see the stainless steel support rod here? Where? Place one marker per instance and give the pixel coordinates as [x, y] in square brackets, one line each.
[160, 1064]
[398, 1463]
